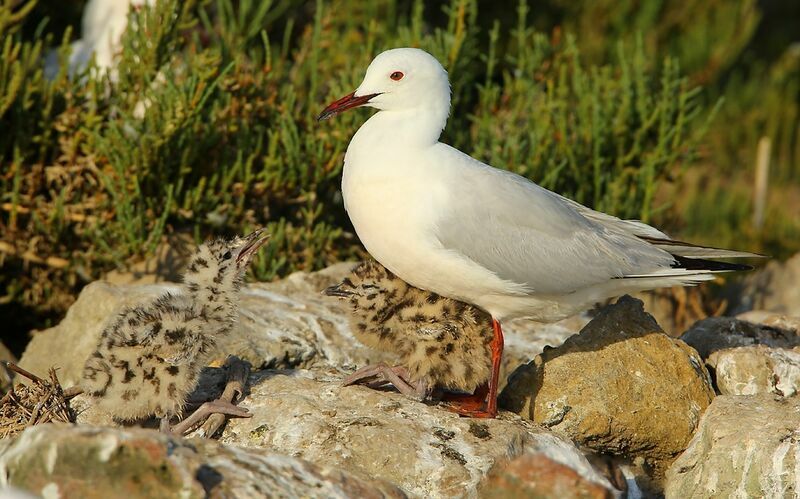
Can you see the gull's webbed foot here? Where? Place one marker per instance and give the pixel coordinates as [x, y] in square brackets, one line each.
[475, 405]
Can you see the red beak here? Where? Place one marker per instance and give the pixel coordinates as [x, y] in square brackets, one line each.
[349, 101]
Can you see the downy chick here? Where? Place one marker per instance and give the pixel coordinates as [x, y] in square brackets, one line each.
[441, 343]
[149, 358]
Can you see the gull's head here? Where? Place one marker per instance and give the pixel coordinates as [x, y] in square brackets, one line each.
[398, 80]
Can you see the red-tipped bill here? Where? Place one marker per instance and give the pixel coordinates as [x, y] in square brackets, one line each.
[349, 101]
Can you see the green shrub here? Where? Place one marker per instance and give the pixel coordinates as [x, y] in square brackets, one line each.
[207, 126]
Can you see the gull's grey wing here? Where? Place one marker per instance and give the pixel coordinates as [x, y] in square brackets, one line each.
[531, 236]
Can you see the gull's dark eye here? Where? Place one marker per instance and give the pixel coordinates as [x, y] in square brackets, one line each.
[396, 76]
[227, 255]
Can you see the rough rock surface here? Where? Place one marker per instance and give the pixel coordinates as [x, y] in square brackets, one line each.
[536, 475]
[427, 451]
[620, 387]
[746, 446]
[718, 333]
[756, 352]
[525, 340]
[424, 449]
[766, 318]
[80, 461]
[756, 369]
[284, 324]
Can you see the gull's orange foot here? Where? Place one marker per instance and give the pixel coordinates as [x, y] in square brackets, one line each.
[473, 405]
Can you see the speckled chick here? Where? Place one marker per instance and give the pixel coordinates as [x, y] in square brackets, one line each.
[150, 356]
[441, 343]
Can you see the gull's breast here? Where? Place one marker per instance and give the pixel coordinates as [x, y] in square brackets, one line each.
[395, 209]
[392, 214]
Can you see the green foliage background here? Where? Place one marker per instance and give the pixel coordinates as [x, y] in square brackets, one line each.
[648, 109]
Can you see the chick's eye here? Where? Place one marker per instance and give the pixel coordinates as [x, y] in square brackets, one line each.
[396, 76]
[227, 255]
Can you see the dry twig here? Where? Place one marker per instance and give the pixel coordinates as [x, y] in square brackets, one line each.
[42, 401]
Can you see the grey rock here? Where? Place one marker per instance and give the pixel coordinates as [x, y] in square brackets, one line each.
[283, 324]
[425, 450]
[526, 339]
[756, 352]
[300, 345]
[746, 446]
[718, 333]
[80, 461]
[767, 318]
[756, 369]
[620, 387]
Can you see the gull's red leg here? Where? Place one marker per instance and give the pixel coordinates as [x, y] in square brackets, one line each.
[482, 403]
[497, 358]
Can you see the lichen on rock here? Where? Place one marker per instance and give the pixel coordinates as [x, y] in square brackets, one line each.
[424, 449]
[621, 387]
[746, 446]
[81, 461]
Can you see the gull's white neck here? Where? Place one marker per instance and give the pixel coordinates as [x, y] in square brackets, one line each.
[387, 178]
[408, 129]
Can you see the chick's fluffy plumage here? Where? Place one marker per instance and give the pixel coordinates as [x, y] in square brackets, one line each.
[442, 341]
[150, 356]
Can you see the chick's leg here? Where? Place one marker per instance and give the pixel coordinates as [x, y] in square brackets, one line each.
[207, 409]
[164, 426]
[381, 374]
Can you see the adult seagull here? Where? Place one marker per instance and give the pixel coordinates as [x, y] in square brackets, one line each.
[448, 223]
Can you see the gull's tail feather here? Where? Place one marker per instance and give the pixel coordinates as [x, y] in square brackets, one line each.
[689, 250]
[703, 265]
[691, 270]
[692, 264]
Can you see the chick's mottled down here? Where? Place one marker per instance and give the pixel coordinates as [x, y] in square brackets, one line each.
[149, 358]
[441, 343]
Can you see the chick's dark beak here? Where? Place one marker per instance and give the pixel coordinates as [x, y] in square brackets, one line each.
[349, 101]
[337, 291]
[252, 243]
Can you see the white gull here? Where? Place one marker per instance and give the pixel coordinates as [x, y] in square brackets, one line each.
[448, 223]
[102, 25]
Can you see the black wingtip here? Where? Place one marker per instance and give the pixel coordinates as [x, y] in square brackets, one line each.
[684, 262]
[656, 241]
